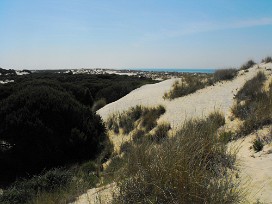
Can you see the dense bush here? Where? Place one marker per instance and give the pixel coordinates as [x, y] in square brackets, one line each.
[257, 145]
[110, 87]
[41, 127]
[161, 132]
[224, 74]
[191, 167]
[46, 119]
[267, 60]
[247, 65]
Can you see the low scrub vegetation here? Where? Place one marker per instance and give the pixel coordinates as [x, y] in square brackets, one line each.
[188, 84]
[191, 83]
[254, 105]
[144, 117]
[267, 60]
[257, 145]
[247, 65]
[224, 74]
[60, 185]
[190, 167]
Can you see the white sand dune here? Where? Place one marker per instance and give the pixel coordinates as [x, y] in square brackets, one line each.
[217, 97]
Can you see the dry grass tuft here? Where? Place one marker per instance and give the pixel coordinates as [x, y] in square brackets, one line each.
[190, 167]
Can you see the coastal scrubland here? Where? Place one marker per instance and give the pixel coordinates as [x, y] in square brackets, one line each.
[154, 163]
[50, 135]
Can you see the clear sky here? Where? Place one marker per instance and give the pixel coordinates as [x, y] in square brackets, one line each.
[50, 34]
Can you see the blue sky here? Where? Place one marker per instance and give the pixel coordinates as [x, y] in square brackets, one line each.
[58, 34]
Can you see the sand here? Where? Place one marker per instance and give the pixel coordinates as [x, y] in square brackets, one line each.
[256, 168]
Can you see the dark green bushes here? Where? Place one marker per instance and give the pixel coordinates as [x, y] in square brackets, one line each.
[267, 60]
[224, 74]
[257, 145]
[191, 167]
[42, 127]
[247, 65]
[46, 119]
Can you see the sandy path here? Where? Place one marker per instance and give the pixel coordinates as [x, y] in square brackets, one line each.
[256, 168]
[217, 97]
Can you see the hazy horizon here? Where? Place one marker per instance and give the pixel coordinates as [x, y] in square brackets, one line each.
[61, 34]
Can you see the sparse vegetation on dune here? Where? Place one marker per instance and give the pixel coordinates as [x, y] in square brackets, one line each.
[128, 121]
[224, 74]
[191, 83]
[247, 65]
[267, 60]
[190, 167]
[186, 85]
[254, 105]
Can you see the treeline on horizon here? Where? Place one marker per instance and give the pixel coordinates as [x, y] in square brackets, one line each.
[47, 120]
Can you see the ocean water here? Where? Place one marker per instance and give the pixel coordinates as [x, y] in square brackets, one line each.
[187, 70]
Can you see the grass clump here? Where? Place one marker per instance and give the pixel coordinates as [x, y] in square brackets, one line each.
[128, 120]
[267, 60]
[251, 88]
[254, 105]
[161, 132]
[224, 74]
[257, 145]
[190, 167]
[247, 65]
[191, 83]
[187, 85]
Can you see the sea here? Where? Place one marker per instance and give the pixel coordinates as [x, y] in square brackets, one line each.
[187, 70]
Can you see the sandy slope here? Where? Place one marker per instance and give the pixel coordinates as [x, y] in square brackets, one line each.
[201, 103]
[195, 105]
[256, 168]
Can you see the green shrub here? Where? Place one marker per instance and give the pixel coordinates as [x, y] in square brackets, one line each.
[125, 147]
[138, 135]
[161, 132]
[267, 60]
[46, 128]
[99, 104]
[257, 145]
[224, 74]
[226, 137]
[247, 65]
